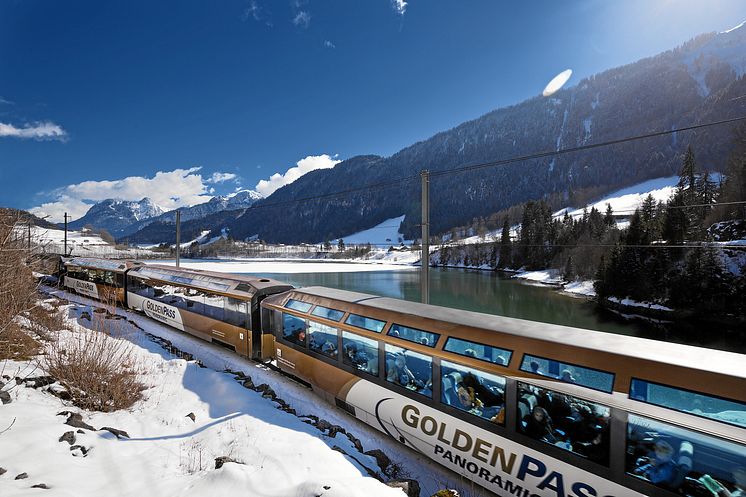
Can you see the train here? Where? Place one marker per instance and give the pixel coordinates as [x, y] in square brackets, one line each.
[521, 408]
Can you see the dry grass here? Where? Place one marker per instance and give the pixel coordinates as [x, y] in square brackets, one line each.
[45, 322]
[16, 344]
[96, 365]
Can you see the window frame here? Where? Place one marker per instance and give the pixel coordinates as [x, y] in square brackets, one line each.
[469, 415]
[432, 333]
[509, 351]
[304, 344]
[309, 324]
[419, 394]
[376, 345]
[342, 313]
[527, 355]
[290, 302]
[685, 390]
[350, 315]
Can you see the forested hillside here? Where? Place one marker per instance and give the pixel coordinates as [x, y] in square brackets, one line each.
[698, 82]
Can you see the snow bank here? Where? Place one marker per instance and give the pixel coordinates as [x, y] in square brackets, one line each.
[545, 277]
[633, 303]
[581, 287]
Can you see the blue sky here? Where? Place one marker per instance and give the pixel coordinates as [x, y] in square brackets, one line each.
[96, 92]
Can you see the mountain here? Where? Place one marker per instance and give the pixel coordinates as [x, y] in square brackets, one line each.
[116, 215]
[138, 232]
[165, 231]
[700, 81]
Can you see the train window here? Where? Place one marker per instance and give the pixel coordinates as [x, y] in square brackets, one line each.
[294, 329]
[325, 312]
[409, 369]
[476, 392]
[414, 335]
[568, 373]
[298, 305]
[214, 306]
[699, 404]
[494, 355]
[322, 339]
[365, 323]
[236, 312]
[360, 353]
[684, 461]
[570, 423]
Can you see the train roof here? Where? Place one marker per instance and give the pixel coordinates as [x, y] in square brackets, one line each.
[96, 263]
[226, 283]
[715, 361]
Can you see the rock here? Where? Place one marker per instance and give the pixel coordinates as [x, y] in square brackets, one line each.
[68, 436]
[3, 471]
[5, 397]
[248, 383]
[116, 432]
[38, 381]
[85, 315]
[59, 391]
[382, 459]
[219, 461]
[40, 485]
[410, 487]
[355, 442]
[191, 416]
[82, 450]
[323, 425]
[448, 492]
[22, 476]
[269, 393]
[76, 420]
[81, 432]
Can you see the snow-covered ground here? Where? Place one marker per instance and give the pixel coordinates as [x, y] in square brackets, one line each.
[80, 243]
[383, 234]
[580, 288]
[260, 266]
[167, 454]
[544, 277]
[633, 303]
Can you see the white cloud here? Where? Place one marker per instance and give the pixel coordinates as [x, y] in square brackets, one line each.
[400, 6]
[5, 101]
[303, 166]
[221, 177]
[329, 44]
[169, 189]
[302, 19]
[38, 131]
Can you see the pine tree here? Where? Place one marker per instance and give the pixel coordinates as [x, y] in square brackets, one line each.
[506, 248]
[341, 245]
[569, 272]
[609, 216]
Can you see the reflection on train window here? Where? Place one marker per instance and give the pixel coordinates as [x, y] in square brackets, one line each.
[298, 305]
[360, 353]
[325, 312]
[294, 329]
[699, 404]
[573, 424]
[237, 312]
[684, 461]
[413, 335]
[322, 339]
[473, 391]
[369, 324]
[568, 373]
[214, 306]
[494, 355]
[409, 369]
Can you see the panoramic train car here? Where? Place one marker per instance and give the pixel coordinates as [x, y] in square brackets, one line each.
[523, 408]
[101, 279]
[217, 307]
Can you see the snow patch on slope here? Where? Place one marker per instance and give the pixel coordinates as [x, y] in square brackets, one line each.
[385, 233]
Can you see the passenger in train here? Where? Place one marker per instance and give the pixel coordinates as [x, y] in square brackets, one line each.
[659, 468]
[473, 395]
[355, 357]
[535, 368]
[470, 353]
[567, 376]
[539, 425]
[329, 348]
[399, 373]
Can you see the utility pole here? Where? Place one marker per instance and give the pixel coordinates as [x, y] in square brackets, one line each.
[65, 251]
[29, 235]
[425, 257]
[178, 236]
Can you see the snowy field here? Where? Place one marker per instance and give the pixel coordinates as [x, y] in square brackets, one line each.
[168, 454]
[382, 234]
[80, 244]
[291, 266]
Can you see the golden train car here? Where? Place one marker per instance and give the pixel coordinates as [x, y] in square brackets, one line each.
[523, 408]
[217, 307]
[101, 279]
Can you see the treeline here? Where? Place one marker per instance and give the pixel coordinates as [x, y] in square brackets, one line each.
[664, 255]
